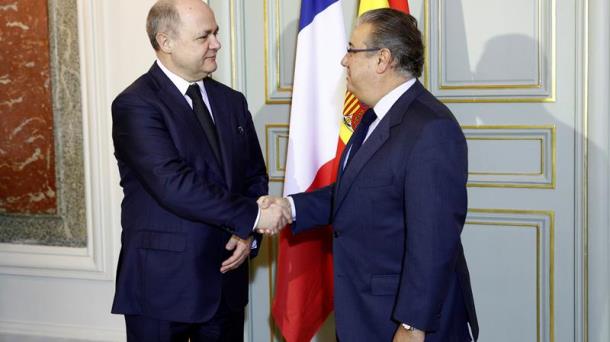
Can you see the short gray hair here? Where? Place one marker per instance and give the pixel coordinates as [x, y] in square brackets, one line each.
[397, 32]
[162, 17]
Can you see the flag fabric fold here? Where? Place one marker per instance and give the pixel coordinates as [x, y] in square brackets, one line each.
[303, 292]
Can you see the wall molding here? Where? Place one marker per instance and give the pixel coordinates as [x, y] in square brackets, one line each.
[543, 223]
[60, 331]
[540, 89]
[544, 136]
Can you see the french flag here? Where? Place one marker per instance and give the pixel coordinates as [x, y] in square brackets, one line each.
[304, 282]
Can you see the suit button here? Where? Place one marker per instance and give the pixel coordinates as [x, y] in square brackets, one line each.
[336, 234]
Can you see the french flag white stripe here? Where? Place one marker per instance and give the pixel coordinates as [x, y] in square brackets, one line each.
[317, 98]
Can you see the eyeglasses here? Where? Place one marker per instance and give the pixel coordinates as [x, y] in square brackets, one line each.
[353, 50]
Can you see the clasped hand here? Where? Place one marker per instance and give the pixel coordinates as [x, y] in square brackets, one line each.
[275, 214]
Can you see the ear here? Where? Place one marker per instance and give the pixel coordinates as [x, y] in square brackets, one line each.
[384, 60]
[165, 42]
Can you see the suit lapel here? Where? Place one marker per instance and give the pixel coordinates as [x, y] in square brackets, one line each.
[224, 126]
[173, 99]
[373, 143]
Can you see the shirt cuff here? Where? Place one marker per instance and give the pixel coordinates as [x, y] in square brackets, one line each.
[292, 207]
[408, 327]
[254, 244]
[258, 216]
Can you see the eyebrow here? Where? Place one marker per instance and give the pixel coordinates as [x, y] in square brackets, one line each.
[206, 32]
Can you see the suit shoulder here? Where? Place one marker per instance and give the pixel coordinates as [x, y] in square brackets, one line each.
[221, 87]
[143, 87]
[433, 117]
[428, 103]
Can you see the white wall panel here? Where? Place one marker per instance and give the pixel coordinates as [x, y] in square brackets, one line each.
[492, 49]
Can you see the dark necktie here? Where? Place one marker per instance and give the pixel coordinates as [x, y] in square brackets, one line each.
[360, 134]
[205, 119]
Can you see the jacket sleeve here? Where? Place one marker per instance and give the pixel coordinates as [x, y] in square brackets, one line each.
[256, 178]
[435, 209]
[313, 209]
[142, 141]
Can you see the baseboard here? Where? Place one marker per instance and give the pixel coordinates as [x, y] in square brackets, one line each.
[61, 331]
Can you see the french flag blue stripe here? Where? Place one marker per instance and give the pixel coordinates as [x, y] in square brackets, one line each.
[311, 8]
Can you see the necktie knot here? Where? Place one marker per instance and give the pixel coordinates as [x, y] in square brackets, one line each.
[368, 118]
[193, 91]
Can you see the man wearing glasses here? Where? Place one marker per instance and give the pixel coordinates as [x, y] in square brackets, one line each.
[399, 203]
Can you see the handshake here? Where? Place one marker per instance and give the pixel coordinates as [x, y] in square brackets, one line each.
[275, 214]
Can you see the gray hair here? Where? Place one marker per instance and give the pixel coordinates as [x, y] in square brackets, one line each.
[397, 32]
[162, 17]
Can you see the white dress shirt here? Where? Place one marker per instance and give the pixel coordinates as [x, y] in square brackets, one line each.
[183, 86]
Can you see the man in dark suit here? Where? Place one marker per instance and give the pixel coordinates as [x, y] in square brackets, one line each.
[191, 170]
[399, 203]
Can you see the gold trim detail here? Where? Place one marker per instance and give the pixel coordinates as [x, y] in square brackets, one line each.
[536, 85]
[426, 40]
[268, 128]
[585, 178]
[525, 183]
[277, 151]
[233, 43]
[503, 98]
[540, 166]
[550, 215]
[268, 99]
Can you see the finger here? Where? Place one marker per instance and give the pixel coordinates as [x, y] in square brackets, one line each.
[287, 214]
[230, 262]
[233, 265]
[264, 202]
[265, 231]
[236, 259]
[282, 221]
[280, 216]
[231, 243]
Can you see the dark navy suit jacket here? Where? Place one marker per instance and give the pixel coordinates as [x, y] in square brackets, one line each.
[397, 213]
[180, 206]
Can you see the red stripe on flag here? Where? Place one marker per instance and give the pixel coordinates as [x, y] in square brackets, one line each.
[401, 5]
[304, 255]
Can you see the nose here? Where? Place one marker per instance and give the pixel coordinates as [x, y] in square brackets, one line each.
[344, 59]
[214, 42]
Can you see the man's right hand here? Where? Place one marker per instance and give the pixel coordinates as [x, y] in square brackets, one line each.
[275, 214]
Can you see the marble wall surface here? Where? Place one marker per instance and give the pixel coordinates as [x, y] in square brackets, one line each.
[42, 195]
[27, 151]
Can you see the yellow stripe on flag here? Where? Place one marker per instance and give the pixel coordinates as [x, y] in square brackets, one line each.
[344, 133]
[367, 5]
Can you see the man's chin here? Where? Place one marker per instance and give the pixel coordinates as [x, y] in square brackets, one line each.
[210, 67]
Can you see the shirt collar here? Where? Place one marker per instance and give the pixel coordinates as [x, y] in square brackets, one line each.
[178, 81]
[383, 106]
